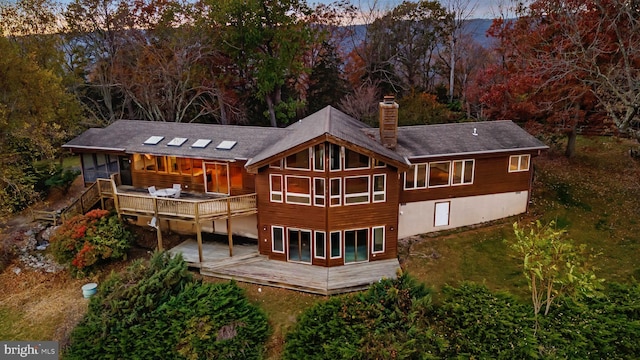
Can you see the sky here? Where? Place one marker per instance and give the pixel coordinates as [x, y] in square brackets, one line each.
[483, 9]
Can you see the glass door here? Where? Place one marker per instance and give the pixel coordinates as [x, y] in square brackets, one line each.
[299, 245]
[216, 177]
[355, 245]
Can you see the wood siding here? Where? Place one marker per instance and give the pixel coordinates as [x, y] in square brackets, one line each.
[491, 176]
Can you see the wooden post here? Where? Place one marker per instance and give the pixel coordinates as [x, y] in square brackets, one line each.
[158, 231]
[229, 228]
[115, 198]
[198, 232]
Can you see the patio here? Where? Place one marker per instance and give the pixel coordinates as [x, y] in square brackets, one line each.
[247, 265]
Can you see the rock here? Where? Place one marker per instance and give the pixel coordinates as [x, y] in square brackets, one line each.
[48, 232]
[17, 270]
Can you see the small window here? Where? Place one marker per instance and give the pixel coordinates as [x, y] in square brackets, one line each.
[173, 165]
[439, 173]
[318, 157]
[275, 185]
[318, 192]
[356, 190]
[379, 164]
[334, 157]
[153, 140]
[355, 160]
[299, 160]
[379, 186]
[320, 245]
[298, 190]
[336, 191]
[416, 177]
[336, 245]
[178, 141]
[462, 172]
[276, 164]
[378, 239]
[519, 163]
[277, 239]
[161, 165]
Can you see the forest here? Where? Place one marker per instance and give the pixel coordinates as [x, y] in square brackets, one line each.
[557, 67]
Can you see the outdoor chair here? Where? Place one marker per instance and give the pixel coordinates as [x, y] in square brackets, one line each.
[152, 190]
[178, 188]
[153, 223]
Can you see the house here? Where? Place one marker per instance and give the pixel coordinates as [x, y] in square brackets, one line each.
[325, 191]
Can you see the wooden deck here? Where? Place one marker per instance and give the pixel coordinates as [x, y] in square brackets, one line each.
[247, 265]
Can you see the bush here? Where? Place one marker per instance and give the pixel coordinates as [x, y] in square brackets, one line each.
[155, 310]
[384, 322]
[61, 179]
[85, 241]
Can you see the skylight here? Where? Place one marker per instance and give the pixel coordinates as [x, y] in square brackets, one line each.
[153, 140]
[226, 145]
[177, 141]
[201, 143]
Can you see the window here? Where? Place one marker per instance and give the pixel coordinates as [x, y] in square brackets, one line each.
[439, 173]
[318, 157]
[320, 245]
[354, 160]
[379, 186]
[519, 163]
[173, 165]
[318, 191]
[299, 160]
[277, 239]
[462, 172]
[336, 191]
[356, 190]
[379, 164]
[276, 164]
[336, 245]
[275, 186]
[298, 190]
[416, 177]
[334, 157]
[378, 239]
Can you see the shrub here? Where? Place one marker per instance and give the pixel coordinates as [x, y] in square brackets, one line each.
[62, 179]
[382, 323]
[155, 310]
[84, 241]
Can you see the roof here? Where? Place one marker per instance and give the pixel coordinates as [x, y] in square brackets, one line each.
[129, 136]
[327, 122]
[425, 141]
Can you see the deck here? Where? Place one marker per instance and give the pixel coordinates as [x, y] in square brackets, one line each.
[247, 265]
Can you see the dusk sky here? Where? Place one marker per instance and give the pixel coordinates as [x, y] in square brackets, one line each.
[486, 9]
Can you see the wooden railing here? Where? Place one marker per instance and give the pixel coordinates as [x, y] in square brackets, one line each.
[185, 208]
[86, 201]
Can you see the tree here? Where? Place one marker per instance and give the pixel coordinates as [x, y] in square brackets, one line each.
[553, 265]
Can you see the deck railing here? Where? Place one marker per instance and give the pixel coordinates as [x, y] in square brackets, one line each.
[185, 208]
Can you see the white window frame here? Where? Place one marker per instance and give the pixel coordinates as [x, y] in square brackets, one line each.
[448, 175]
[464, 165]
[382, 192]
[348, 196]
[276, 167]
[344, 160]
[520, 157]
[337, 196]
[287, 192]
[313, 157]
[309, 160]
[315, 246]
[272, 192]
[414, 168]
[373, 240]
[376, 162]
[317, 197]
[273, 239]
[339, 245]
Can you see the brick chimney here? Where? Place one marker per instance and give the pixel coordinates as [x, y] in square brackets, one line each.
[389, 122]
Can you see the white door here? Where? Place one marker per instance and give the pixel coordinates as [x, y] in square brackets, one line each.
[442, 214]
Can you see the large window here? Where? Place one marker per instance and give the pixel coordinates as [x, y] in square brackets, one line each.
[519, 163]
[299, 160]
[275, 186]
[320, 245]
[379, 186]
[318, 192]
[336, 245]
[378, 239]
[439, 173]
[462, 172]
[336, 191]
[298, 190]
[334, 157]
[277, 239]
[318, 157]
[99, 166]
[416, 177]
[355, 160]
[356, 190]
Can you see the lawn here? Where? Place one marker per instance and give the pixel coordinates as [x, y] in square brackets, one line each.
[594, 196]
